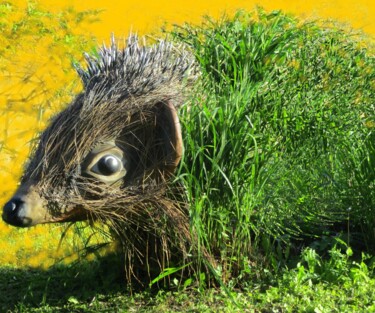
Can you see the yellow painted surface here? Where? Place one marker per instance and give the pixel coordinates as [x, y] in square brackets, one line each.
[31, 72]
[147, 16]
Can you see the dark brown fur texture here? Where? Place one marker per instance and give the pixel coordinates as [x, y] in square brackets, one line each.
[127, 107]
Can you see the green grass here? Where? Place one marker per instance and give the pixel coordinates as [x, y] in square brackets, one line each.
[279, 143]
[279, 169]
[316, 284]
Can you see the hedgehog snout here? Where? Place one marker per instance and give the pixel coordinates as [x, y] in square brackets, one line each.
[14, 213]
[26, 208]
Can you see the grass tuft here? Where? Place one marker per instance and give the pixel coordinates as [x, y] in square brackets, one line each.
[279, 140]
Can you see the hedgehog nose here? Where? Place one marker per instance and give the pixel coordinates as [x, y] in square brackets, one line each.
[12, 210]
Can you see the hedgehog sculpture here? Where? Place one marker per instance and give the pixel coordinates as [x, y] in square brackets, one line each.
[110, 154]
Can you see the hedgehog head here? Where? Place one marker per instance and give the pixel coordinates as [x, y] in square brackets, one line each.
[111, 152]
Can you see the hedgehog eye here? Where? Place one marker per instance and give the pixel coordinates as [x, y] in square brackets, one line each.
[107, 165]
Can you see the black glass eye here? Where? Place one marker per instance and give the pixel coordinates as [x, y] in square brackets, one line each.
[109, 165]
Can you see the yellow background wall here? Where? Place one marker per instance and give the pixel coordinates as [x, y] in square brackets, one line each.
[146, 16]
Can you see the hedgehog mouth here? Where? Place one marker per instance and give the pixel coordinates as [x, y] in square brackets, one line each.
[27, 208]
[75, 214]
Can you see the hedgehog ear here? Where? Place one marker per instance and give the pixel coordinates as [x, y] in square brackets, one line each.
[169, 130]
